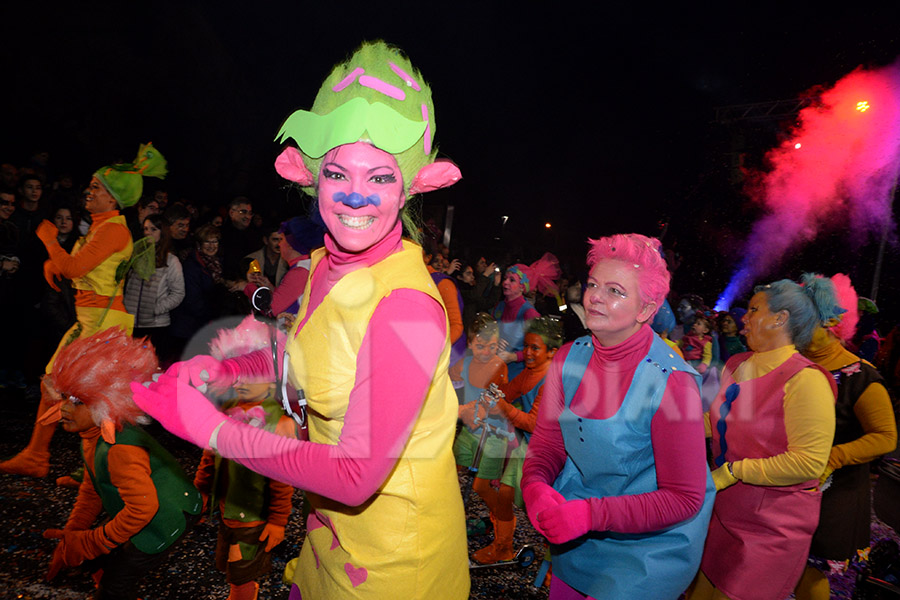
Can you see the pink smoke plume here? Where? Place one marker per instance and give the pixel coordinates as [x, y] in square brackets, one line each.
[837, 170]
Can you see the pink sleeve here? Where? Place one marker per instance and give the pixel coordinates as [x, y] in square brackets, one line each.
[531, 313]
[383, 405]
[680, 454]
[547, 450]
[292, 285]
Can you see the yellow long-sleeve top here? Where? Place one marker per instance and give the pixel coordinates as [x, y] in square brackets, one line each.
[873, 409]
[808, 422]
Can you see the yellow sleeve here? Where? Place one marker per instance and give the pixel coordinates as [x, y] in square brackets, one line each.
[707, 354]
[809, 423]
[876, 415]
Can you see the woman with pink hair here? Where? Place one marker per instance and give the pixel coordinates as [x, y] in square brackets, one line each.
[514, 311]
[615, 476]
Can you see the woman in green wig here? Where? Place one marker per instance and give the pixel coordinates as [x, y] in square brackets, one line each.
[369, 348]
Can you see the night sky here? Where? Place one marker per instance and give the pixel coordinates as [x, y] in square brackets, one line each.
[598, 122]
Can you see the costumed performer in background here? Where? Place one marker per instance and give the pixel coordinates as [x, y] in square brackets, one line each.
[772, 430]
[519, 406]
[92, 267]
[369, 349]
[864, 430]
[301, 236]
[615, 475]
[514, 310]
[148, 498]
[253, 509]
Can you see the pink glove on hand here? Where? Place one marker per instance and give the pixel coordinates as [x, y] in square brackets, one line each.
[538, 497]
[202, 370]
[179, 408]
[565, 522]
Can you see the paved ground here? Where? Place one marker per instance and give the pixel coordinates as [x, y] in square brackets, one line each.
[29, 506]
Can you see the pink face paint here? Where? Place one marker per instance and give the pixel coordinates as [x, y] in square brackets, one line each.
[427, 129]
[356, 575]
[405, 77]
[382, 86]
[362, 169]
[348, 79]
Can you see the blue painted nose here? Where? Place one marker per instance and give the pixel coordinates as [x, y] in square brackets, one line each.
[356, 200]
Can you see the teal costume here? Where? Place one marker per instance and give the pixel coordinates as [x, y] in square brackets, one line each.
[612, 457]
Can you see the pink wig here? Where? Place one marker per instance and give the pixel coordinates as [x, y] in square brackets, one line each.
[249, 336]
[98, 371]
[848, 300]
[541, 275]
[642, 252]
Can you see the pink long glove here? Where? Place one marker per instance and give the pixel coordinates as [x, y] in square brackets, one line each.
[565, 522]
[179, 408]
[202, 370]
[538, 497]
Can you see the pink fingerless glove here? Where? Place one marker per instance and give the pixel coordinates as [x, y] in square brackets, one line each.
[179, 408]
[565, 522]
[538, 497]
[202, 370]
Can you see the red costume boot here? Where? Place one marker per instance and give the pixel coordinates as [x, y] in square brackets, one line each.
[34, 460]
[245, 591]
[502, 546]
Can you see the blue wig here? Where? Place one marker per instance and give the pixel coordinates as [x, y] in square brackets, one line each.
[809, 305]
[664, 320]
[304, 234]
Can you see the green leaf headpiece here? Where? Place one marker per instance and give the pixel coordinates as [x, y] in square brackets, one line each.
[377, 96]
[126, 181]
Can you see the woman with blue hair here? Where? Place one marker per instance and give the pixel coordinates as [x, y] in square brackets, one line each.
[773, 424]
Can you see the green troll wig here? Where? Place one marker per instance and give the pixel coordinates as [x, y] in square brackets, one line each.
[550, 330]
[376, 96]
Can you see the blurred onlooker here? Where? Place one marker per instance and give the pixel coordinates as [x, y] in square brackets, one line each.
[450, 294]
[152, 300]
[299, 237]
[57, 306]
[484, 292]
[239, 237]
[9, 178]
[136, 216]
[206, 292]
[10, 301]
[29, 214]
[272, 265]
[573, 318]
[162, 199]
[178, 222]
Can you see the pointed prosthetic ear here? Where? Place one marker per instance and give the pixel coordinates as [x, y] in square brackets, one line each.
[437, 175]
[51, 416]
[108, 431]
[290, 165]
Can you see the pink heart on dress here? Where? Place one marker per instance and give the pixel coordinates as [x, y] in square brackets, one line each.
[313, 522]
[356, 575]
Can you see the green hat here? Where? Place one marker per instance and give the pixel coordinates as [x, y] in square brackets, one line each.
[377, 96]
[126, 181]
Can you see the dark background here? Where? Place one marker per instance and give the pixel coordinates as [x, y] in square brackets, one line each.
[597, 120]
